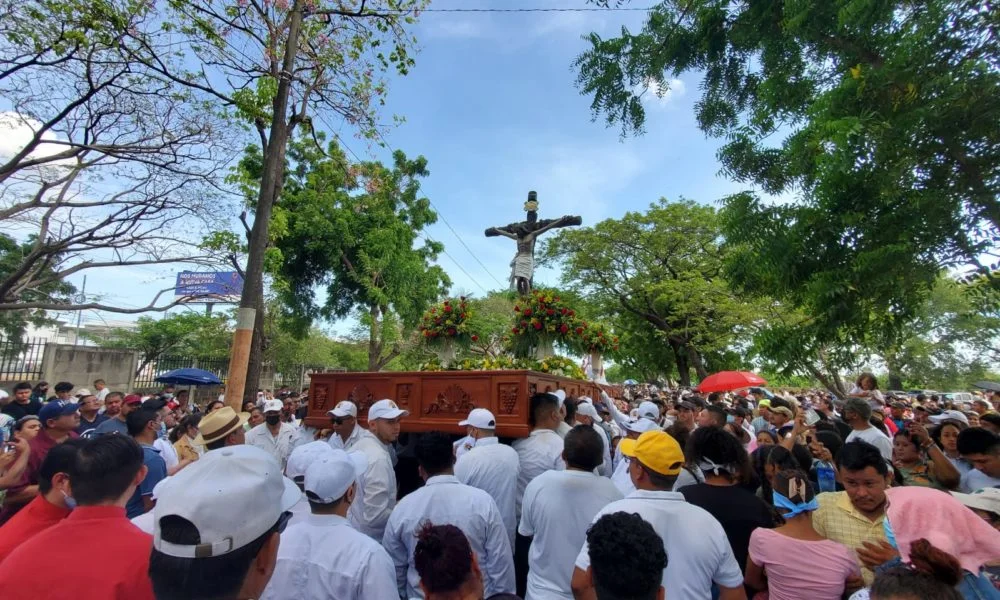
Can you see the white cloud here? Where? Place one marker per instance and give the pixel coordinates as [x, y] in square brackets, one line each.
[17, 131]
[663, 93]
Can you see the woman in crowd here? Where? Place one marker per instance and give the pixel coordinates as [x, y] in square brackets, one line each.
[903, 583]
[183, 435]
[793, 561]
[27, 427]
[40, 392]
[768, 461]
[945, 435]
[213, 406]
[256, 418]
[447, 566]
[918, 461]
[724, 468]
[766, 438]
[935, 534]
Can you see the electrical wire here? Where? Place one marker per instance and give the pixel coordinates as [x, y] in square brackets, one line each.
[531, 10]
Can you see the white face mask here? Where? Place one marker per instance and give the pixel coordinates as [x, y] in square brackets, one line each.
[69, 500]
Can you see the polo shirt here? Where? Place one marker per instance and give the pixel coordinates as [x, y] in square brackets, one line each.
[279, 446]
[27, 572]
[112, 425]
[874, 437]
[698, 551]
[836, 519]
[37, 515]
[18, 410]
[157, 471]
[975, 479]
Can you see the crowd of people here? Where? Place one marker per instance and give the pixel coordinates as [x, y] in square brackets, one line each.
[661, 493]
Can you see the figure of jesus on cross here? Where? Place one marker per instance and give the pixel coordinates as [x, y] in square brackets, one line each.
[525, 233]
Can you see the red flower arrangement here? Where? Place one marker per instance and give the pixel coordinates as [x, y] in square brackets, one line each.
[541, 316]
[447, 322]
[595, 337]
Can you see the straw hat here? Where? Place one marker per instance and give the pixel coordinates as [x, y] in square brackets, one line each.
[218, 424]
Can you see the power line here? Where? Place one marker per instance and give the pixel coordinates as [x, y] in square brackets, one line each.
[457, 264]
[532, 10]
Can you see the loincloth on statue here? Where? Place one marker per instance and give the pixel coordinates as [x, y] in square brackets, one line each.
[523, 266]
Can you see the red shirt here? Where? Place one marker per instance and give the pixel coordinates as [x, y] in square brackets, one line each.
[37, 515]
[38, 448]
[71, 544]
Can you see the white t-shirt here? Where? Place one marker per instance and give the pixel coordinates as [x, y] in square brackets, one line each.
[622, 479]
[874, 437]
[493, 468]
[698, 551]
[168, 452]
[557, 510]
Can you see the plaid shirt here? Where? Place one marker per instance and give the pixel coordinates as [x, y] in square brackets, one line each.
[838, 520]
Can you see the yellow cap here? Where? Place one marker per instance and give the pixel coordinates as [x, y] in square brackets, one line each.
[656, 450]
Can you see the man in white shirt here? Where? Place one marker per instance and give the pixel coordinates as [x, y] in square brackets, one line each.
[445, 500]
[378, 486]
[323, 557]
[298, 461]
[646, 410]
[346, 431]
[856, 413]
[273, 436]
[621, 477]
[982, 449]
[558, 508]
[542, 450]
[101, 391]
[697, 548]
[587, 415]
[490, 466]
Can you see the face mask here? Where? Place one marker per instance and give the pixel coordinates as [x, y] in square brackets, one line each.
[163, 430]
[730, 419]
[890, 535]
[69, 500]
[272, 419]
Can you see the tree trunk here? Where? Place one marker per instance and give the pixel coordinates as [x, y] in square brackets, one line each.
[683, 369]
[694, 357]
[374, 341]
[895, 370]
[256, 361]
[274, 164]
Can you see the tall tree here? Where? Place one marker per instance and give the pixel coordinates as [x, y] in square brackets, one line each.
[880, 118]
[665, 267]
[187, 333]
[352, 229]
[278, 65]
[111, 165]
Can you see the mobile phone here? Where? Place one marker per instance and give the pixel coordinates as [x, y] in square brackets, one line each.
[9, 447]
[812, 417]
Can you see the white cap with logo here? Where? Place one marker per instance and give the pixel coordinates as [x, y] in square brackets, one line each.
[83, 393]
[304, 455]
[587, 409]
[232, 495]
[345, 408]
[560, 396]
[331, 475]
[640, 425]
[480, 418]
[385, 409]
[273, 406]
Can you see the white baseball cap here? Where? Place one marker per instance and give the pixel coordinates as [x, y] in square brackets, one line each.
[480, 418]
[385, 409]
[331, 475]
[273, 406]
[303, 456]
[586, 399]
[649, 410]
[949, 415]
[641, 425]
[344, 409]
[232, 496]
[83, 393]
[586, 409]
[560, 395]
[987, 499]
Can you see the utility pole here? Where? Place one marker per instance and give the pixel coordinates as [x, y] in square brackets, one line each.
[79, 313]
[274, 164]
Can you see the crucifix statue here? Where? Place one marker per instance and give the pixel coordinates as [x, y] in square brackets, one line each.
[525, 233]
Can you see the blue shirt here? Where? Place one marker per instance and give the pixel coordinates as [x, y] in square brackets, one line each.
[157, 471]
[112, 425]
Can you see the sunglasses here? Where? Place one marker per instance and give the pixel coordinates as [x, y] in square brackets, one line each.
[286, 516]
[338, 421]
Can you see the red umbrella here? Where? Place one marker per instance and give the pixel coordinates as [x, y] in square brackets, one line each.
[726, 381]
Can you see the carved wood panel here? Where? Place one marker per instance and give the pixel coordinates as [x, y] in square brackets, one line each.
[318, 397]
[451, 400]
[507, 398]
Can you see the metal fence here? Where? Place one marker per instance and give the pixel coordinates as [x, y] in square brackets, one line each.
[21, 360]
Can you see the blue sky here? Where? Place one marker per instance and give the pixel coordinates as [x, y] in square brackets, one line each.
[492, 105]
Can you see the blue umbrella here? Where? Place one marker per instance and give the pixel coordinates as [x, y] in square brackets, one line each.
[631, 382]
[189, 377]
